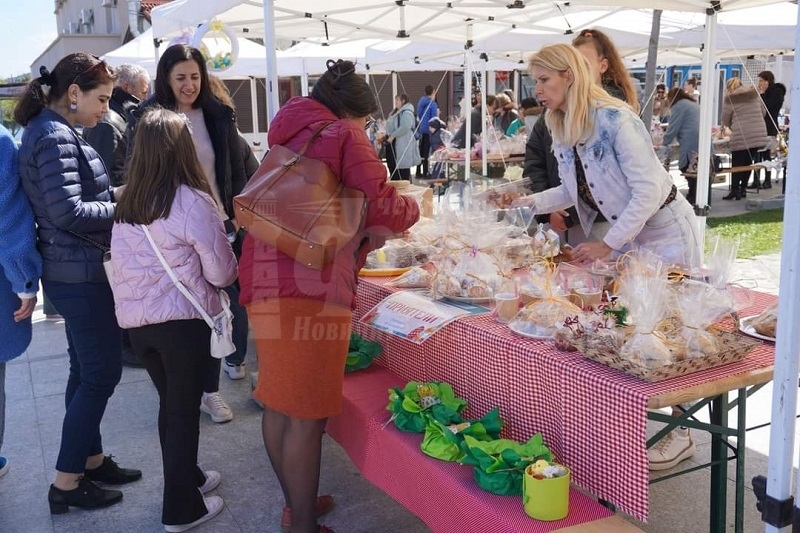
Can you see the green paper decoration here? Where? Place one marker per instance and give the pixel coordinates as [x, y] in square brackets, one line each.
[498, 465]
[442, 441]
[417, 401]
[361, 353]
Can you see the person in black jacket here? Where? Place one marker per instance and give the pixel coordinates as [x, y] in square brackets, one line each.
[67, 185]
[182, 84]
[110, 139]
[772, 94]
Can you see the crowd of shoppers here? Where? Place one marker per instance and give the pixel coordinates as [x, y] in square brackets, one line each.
[122, 204]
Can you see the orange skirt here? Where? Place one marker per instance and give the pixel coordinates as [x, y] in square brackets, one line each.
[302, 349]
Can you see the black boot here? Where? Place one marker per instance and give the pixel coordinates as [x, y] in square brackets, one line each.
[110, 473]
[86, 496]
[730, 196]
[767, 184]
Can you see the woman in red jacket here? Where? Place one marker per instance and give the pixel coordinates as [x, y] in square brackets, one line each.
[301, 316]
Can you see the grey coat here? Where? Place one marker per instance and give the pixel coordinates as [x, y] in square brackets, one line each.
[743, 113]
[684, 125]
[400, 125]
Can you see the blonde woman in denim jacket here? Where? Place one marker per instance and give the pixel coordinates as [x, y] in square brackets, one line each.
[607, 165]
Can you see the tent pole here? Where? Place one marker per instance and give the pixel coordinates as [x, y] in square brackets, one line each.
[254, 104]
[646, 111]
[467, 112]
[272, 61]
[304, 80]
[787, 344]
[706, 111]
[394, 86]
[484, 126]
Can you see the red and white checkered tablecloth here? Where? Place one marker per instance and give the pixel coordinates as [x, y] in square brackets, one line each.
[593, 417]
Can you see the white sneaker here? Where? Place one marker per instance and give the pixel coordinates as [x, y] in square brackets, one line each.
[214, 504]
[212, 481]
[234, 371]
[675, 447]
[213, 404]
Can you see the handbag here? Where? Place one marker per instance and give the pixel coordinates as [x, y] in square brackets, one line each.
[299, 206]
[221, 325]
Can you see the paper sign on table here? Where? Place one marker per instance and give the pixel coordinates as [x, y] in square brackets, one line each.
[414, 316]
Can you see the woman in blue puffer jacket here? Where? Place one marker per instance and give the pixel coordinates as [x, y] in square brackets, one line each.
[67, 185]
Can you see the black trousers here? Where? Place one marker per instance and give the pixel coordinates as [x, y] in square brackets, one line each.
[741, 158]
[424, 151]
[177, 355]
[391, 159]
[760, 157]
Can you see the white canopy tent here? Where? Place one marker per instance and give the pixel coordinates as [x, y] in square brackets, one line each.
[468, 21]
[142, 51]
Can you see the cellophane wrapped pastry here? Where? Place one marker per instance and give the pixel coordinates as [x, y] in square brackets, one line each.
[644, 290]
[414, 278]
[546, 242]
[396, 253]
[544, 316]
[502, 196]
[699, 305]
[471, 262]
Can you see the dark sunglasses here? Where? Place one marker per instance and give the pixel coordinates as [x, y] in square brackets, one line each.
[368, 125]
[93, 68]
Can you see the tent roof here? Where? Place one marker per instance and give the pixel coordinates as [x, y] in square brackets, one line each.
[141, 51]
[433, 20]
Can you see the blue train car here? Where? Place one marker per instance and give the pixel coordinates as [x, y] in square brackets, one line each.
[676, 76]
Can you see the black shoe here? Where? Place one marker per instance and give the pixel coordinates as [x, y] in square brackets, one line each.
[110, 473]
[754, 186]
[730, 196]
[130, 359]
[767, 185]
[86, 496]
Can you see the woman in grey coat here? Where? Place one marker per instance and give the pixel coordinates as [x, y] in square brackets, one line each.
[743, 113]
[400, 129]
[684, 126]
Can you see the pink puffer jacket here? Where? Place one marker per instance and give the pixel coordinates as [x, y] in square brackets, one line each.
[196, 248]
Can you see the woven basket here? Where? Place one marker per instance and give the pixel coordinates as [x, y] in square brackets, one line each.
[732, 348]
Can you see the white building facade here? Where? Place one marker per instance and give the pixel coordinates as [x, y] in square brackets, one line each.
[94, 26]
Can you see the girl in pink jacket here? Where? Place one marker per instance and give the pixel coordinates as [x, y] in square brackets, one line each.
[167, 192]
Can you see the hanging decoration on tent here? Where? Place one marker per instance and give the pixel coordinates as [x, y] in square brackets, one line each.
[219, 45]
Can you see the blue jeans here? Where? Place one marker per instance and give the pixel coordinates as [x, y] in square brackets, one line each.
[94, 342]
[241, 327]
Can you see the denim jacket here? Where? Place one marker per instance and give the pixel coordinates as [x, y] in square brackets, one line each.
[627, 180]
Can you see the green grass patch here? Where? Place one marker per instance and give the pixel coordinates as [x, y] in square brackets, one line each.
[759, 232]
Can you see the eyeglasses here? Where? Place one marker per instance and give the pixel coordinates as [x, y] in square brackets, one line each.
[368, 125]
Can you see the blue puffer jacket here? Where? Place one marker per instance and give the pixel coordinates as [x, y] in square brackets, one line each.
[20, 262]
[67, 185]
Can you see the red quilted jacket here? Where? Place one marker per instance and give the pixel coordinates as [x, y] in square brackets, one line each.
[264, 272]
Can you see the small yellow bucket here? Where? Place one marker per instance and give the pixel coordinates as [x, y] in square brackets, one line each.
[545, 499]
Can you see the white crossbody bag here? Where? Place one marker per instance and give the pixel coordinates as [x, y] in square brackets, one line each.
[221, 325]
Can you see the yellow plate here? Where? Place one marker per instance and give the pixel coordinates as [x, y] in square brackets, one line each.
[382, 272]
